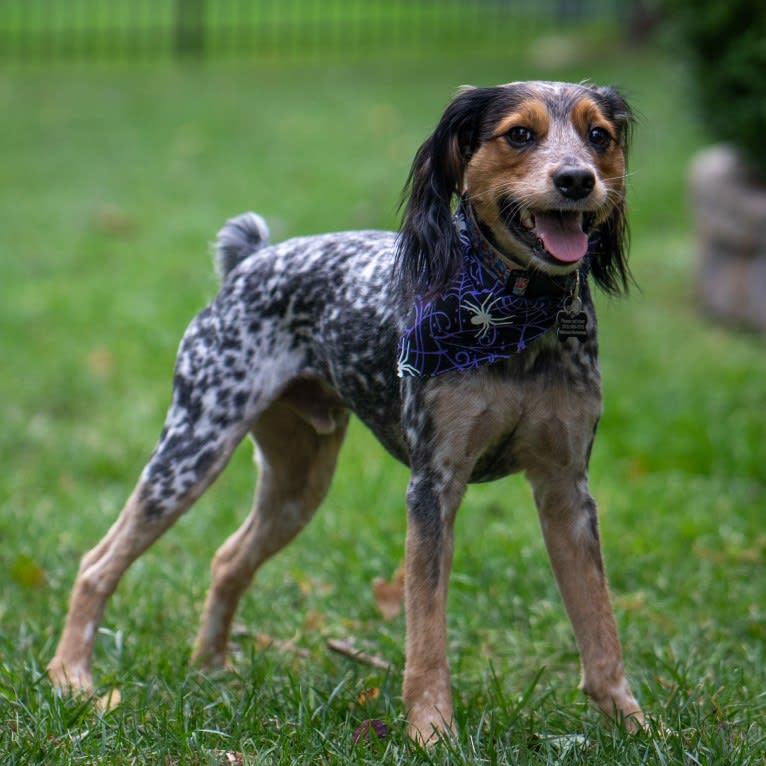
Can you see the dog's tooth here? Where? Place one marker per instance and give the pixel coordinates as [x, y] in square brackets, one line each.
[526, 219]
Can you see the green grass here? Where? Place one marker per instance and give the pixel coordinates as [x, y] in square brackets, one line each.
[114, 180]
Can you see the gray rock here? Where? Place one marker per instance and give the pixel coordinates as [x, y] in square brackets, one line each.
[729, 206]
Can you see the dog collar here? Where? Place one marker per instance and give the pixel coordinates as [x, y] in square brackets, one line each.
[485, 315]
[516, 278]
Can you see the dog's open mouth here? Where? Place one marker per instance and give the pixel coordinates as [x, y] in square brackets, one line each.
[562, 235]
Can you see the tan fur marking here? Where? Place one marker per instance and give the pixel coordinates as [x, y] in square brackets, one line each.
[576, 562]
[587, 115]
[426, 691]
[498, 169]
[496, 163]
[531, 114]
[492, 171]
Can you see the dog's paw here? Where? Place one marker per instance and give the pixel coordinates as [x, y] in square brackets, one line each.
[426, 725]
[70, 678]
[616, 700]
[635, 723]
[76, 681]
[209, 659]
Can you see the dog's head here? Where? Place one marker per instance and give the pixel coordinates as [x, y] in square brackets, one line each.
[543, 166]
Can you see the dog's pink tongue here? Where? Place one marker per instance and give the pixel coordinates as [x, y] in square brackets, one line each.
[562, 235]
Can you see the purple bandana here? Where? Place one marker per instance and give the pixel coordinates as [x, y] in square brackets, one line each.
[478, 319]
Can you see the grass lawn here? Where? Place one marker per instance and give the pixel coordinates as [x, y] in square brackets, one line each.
[114, 181]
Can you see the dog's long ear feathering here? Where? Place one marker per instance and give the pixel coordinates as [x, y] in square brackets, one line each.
[428, 251]
[609, 251]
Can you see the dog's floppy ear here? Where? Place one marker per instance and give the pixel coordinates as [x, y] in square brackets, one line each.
[609, 249]
[428, 251]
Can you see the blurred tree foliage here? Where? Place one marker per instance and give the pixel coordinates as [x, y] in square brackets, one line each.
[724, 42]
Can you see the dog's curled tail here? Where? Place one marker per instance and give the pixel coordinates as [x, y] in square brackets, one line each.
[239, 238]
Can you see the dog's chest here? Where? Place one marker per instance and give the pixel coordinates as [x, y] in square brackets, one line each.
[504, 420]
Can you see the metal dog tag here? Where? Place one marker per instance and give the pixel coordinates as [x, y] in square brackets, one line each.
[572, 321]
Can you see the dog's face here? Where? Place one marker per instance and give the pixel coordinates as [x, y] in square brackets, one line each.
[543, 165]
[549, 169]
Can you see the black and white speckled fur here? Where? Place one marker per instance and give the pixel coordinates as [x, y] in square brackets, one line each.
[304, 332]
[294, 310]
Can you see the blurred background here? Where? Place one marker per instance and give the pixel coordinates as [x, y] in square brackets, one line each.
[130, 130]
[291, 29]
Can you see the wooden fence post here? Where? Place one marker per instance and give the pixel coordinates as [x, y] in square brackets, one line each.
[190, 27]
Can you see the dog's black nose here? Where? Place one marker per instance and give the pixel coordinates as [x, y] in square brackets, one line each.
[574, 183]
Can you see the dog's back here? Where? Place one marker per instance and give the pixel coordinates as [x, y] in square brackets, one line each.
[327, 304]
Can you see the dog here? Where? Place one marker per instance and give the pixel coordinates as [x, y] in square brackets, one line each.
[466, 342]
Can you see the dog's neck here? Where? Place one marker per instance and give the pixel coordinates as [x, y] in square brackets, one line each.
[484, 246]
[483, 316]
[517, 278]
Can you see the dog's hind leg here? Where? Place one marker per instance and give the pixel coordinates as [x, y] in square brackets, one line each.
[205, 422]
[297, 443]
[570, 528]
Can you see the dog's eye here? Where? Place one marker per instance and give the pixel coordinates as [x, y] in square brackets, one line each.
[519, 136]
[599, 138]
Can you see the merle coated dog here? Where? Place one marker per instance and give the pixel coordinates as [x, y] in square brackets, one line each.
[466, 343]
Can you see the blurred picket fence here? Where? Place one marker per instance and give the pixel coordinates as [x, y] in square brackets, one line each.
[283, 29]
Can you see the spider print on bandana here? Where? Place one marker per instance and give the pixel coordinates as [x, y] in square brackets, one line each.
[484, 318]
[476, 321]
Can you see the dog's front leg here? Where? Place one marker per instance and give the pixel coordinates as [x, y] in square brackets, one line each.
[570, 528]
[427, 694]
[447, 424]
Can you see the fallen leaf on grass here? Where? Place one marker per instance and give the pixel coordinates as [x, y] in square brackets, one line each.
[99, 361]
[389, 595]
[368, 695]
[314, 620]
[371, 729]
[112, 220]
[25, 571]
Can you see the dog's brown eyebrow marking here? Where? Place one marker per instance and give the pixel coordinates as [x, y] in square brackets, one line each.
[587, 114]
[531, 113]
